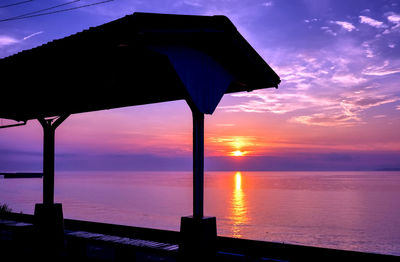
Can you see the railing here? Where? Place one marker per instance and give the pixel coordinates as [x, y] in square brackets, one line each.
[228, 248]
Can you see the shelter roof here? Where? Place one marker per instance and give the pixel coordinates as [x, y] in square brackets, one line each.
[127, 62]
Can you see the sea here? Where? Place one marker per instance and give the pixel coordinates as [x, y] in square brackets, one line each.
[342, 210]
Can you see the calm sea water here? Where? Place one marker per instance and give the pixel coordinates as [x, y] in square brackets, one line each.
[344, 210]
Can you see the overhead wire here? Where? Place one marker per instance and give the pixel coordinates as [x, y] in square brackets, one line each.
[17, 3]
[39, 12]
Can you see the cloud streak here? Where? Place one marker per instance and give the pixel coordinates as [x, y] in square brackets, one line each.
[348, 112]
[345, 25]
[394, 23]
[7, 40]
[380, 71]
[278, 103]
[32, 35]
[343, 110]
[267, 4]
[331, 87]
[394, 18]
[371, 22]
[323, 119]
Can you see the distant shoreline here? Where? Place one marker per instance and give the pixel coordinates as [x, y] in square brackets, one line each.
[39, 174]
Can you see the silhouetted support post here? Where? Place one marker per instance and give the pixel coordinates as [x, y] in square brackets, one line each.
[49, 130]
[198, 164]
[198, 233]
[48, 161]
[49, 221]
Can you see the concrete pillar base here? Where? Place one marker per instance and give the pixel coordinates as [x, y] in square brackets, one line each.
[198, 238]
[49, 225]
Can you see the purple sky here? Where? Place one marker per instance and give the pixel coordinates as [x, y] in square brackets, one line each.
[337, 108]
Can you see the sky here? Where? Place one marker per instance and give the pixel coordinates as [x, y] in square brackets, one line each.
[337, 107]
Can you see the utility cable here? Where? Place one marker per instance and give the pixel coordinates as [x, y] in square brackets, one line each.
[54, 12]
[17, 3]
[38, 11]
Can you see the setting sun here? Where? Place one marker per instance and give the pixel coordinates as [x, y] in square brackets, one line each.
[238, 153]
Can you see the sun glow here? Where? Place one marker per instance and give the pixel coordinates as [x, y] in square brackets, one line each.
[238, 153]
[237, 146]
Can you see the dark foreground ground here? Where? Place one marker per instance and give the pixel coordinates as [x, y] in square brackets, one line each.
[90, 241]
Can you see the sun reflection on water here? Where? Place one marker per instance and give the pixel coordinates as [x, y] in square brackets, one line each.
[238, 181]
[238, 207]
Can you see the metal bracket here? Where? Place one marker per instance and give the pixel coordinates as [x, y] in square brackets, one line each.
[12, 125]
